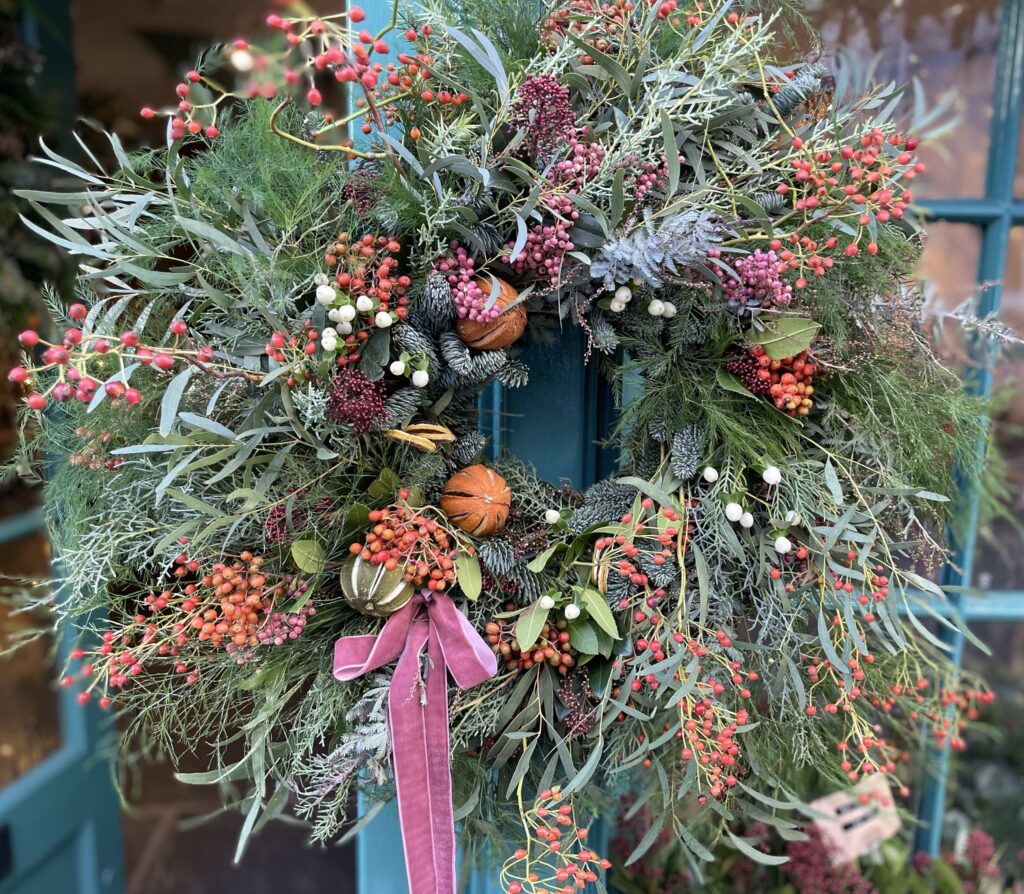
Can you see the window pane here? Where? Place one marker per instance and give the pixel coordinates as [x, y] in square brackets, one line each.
[987, 786]
[1000, 556]
[29, 722]
[949, 46]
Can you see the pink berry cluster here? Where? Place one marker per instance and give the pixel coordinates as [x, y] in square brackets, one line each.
[355, 400]
[547, 242]
[756, 281]
[276, 525]
[582, 164]
[68, 369]
[457, 267]
[282, 627]
[542, 109]
[644, 177]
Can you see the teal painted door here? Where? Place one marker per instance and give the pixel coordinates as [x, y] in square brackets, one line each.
[554, 423]
[60, 828]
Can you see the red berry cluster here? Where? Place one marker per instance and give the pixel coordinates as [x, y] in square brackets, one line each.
[414, 540]
[94, 453]
[553, 646]
[860, 184]
[71, 369]
[789, 381]
[656, 532]
[295, 351]
[556, 859]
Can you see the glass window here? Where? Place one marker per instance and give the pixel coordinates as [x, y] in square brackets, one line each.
[950, 47]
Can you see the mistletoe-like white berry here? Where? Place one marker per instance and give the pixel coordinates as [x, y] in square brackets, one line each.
[772, 475]
[733, 511]
[783, 545]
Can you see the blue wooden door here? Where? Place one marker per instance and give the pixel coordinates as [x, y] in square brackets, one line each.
[60, 828]
[554, 423]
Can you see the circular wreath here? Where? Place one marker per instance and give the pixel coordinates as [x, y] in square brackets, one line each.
[264, 403]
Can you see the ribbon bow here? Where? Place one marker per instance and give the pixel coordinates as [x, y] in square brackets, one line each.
[418, 710]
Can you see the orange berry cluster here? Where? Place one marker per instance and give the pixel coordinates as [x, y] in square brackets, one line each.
[553, 646]
[602, 24]
[789, 382]
[861, 184]
[411, 540]
[226, 608]
[366, 266]
[556, 859]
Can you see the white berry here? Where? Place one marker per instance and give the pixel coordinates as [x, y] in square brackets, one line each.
[344, 328]
[242, 60]
[616, 307]
[552, 516]
[733, 511]
[421, 378]
[772, 475]
[746, 520]
[623, 294]
[397, 368]
[346, 314]
[670, 310]
[793, 518]
[364, 303]
[656, 308]
[547, 603]
[325, 295]
[783, 545]
[329, 344]
[334, 315]
[329, 332]
[572, 611]
[710, 474]
[383, 320]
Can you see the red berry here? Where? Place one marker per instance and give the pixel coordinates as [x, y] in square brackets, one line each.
[193, 76]
[179, 327]
[356, 14]
[133, 396]
[77, 311]
[212, 132]
[29, 338]
[18, 374]
[314, 97]
[36, 402]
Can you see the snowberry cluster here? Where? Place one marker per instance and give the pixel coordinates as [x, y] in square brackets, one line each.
[554, 644]
[556, 858]
[355, 400]
[547, 243]
[72, 369]
[458, 269]
[756, 281]
[417, 541]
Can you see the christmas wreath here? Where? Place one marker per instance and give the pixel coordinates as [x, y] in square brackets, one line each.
[260, 423]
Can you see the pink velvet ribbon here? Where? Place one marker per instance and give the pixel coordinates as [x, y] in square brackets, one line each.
[431, 639]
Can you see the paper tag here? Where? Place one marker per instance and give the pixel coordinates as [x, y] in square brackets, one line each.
[857, 820]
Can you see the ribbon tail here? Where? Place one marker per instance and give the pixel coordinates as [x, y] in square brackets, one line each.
[422, 769]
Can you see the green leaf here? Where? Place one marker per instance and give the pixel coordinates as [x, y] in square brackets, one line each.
[832, 483]
[729, 382]
[752, 853]
[467, 574]
[597, 608]
[604, 61]
[584, 637]
[785, 336]
[538, 562]
[214, 428]
[529, 624]
[668, 135]
[309, 555]
[172, 398]
[210, 234]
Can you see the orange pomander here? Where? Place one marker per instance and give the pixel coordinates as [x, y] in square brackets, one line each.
[477, 499]
[500, 332]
